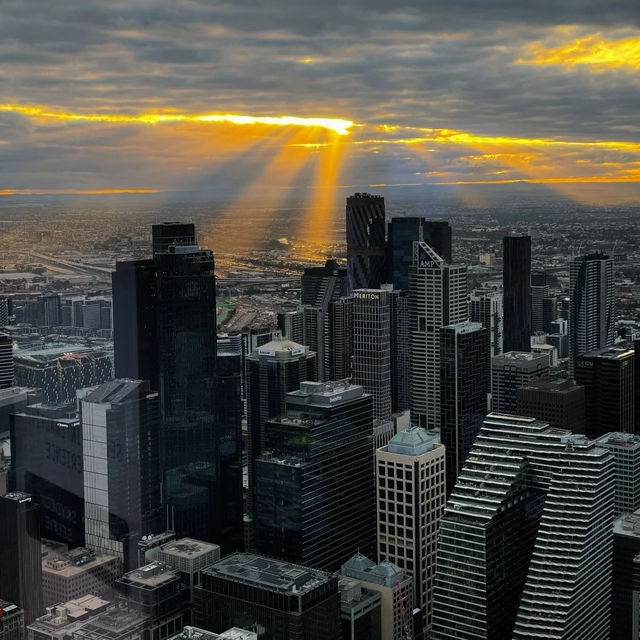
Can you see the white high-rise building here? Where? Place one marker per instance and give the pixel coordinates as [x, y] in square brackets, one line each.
[485, 306]
[410, 486]
[592, 322]
[437, 298]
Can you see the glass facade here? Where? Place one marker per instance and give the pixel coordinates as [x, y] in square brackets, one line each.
[516, 286]
[315, 492]
[366, 246]
[278, 600]
[465, 383]
[165, 331]
[46, 446]
[402, 233]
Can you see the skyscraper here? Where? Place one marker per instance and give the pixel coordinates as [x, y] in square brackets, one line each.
[509, 372]
[402, 232]
[608, 377]
[166, 234]
[539, 291]
[229, 410]
[6, 361]
[625, 448]
[465, 384]
[291, 325]
[321, 286]
[20, 553]
[592, 305]
[410, 486]
[314, 493]
[437, 298]
[165, 331]
[341, 336]
[525, 547]
[372, 328]
[558, 401]
[365, 241]
[516, 286]
[485, 307]
[135, 329]
[46, 461]
[626, 547]
[272, 371]
[122, 479]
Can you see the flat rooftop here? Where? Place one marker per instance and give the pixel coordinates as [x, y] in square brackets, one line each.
[188, 548]
[54, 350]
[151, 575]
[611, 353]
[269, 573]
[74, 562]
[555, 385]
[519, 356]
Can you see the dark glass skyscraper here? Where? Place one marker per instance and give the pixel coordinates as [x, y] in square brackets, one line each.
[46, 461]
[165, 331]
[315, 491]
[516, 282]
[135, 330]
[402, 233]
[608, 377]
[272, 371]
[465, 383]
[20, 553]
[366, 245]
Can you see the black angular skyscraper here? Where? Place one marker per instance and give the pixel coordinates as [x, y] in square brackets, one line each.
[168, 303]
[365, 241]
[20, 553]
[402, 233]
[516, 282]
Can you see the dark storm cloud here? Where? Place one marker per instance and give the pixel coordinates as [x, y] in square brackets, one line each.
[409, 62]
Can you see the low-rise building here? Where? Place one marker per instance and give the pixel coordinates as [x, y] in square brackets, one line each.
[11, 621]
[76, 573]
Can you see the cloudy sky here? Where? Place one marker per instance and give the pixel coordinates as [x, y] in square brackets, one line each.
[443, 92]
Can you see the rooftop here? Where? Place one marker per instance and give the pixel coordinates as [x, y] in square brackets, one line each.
[151, 575]
[280, 348]
[55, 350]
[194, 633]
[325, 393]
[628, 524]
[616, 352]
[618, 439]
[555, 385]
[465, 327]
[115, 391]
[413, 441]
[75, 562]
[386, 573]
[188, 548]
[519, 356]
[269, 573]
